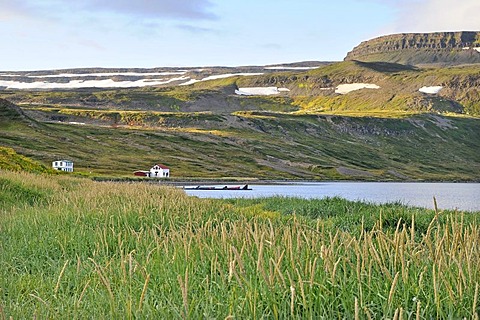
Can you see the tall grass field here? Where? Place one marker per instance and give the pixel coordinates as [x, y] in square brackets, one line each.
[72, 248]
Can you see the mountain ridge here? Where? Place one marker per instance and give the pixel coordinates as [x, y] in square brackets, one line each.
[440, 48]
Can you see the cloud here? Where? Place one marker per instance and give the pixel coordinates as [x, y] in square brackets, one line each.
[194, 29]
[10, 10]
[271, 45]
[192, 9]
[437, 15]
[148, 9]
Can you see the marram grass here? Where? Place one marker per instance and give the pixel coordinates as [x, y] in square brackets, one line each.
[88, 249]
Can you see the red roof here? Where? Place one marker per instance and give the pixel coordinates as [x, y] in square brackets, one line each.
[161, 166]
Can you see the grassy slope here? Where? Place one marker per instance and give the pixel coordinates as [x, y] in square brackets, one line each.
[383, 134]
[313, 91]
[72, 248]
[267, 145]
[10, 160]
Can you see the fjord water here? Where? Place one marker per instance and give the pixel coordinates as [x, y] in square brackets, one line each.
[461, 196]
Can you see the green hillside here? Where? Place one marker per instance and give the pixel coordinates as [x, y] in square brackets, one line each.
[205, 130]
[264, 145]
[10, 160]
[314, 91]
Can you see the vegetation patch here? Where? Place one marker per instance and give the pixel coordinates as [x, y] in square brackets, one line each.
[118, 250]
[10, 160]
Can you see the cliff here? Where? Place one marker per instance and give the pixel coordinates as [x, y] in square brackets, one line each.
[443, 48]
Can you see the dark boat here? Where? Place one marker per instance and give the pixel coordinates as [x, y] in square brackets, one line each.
[245, 187]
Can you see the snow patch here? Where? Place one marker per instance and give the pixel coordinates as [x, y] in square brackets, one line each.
[110, 74]
[477, 49]
[106, 83]
[346, 88]
[99, 74]
[260, 91]
[431, 90]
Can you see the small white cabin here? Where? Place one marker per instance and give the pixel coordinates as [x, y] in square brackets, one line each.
[159, 171]
[63, 165]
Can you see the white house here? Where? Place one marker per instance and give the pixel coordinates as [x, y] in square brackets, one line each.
[159, 171]
[63, 165]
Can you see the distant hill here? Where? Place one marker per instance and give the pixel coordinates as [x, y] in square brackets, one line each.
[309, 90]
[442, 48]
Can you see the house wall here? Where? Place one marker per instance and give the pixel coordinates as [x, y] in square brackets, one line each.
[63, 165]
[159, 173]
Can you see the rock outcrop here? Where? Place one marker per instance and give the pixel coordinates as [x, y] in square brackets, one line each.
[444, 48]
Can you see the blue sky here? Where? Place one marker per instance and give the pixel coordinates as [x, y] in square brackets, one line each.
[57, 34]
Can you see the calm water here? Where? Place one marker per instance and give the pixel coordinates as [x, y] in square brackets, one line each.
[462, 196]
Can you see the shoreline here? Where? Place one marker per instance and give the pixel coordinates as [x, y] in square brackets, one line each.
[252, 181]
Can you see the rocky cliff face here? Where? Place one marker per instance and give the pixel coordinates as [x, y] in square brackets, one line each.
[445, 48]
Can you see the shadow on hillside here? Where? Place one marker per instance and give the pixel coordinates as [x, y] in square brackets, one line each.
[386, 67]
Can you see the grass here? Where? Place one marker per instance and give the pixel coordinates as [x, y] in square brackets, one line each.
[130, 118]
[118, 250]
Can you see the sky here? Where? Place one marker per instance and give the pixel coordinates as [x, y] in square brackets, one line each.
[60, 34]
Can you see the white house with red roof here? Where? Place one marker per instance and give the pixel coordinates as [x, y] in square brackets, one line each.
[159, 171]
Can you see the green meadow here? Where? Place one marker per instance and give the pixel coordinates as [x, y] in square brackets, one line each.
[72, 248]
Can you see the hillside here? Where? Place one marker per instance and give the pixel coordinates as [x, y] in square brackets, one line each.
[10, 113]
[306, 91]
[87, 78]
[441, 48]
[11, 161]
[265, 145]
[347, 120]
